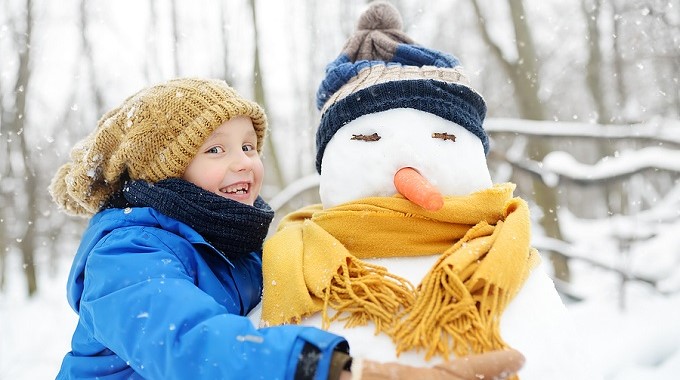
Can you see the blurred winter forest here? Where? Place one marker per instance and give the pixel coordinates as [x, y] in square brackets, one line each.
[583, 103]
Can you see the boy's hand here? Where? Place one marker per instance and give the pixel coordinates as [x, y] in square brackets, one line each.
[492, 365]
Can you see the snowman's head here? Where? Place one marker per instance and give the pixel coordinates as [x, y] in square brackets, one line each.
[363, 156]
[387, 103]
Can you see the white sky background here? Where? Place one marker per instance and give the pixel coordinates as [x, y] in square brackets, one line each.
[640, 343]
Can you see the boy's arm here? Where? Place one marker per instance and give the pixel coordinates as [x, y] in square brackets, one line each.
[248, 275]
[146, 308]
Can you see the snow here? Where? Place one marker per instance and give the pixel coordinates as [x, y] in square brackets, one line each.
[626, 162]
[36, 332]
[657, 128]
[639, 343]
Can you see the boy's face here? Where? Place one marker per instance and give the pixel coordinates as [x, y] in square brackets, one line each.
[228, 164]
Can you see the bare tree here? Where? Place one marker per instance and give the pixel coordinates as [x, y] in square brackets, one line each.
[591, 12]
[523, 74]
[4, 171]
[4, 167]
[618, 64]
[272, 156]
[225, 41]
[88, 57]
[24, 196]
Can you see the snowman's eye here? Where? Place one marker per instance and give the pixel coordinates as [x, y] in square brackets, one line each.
[444, 136]
[373, 137]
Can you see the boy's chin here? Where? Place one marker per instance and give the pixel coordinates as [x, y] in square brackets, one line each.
[245, 198]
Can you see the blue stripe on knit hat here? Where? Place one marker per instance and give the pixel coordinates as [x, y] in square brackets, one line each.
[414, 55]
[450, 101]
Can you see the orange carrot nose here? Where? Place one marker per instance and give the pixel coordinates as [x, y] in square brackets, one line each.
[417, 189]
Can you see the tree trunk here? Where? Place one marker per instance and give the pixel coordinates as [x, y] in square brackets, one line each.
[525, 75]
[4, 172]
[591, 12]
[88, 56]
[272, 161]
[525, 79]
[30, 237]
[225, 42]
[21, 89]
[4, 243]
[619, 73]
[527, 83]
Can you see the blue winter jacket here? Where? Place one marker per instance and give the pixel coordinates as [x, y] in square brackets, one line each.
[156, 301]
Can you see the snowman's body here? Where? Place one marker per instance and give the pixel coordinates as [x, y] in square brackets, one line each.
[540, 333]
[535, 322]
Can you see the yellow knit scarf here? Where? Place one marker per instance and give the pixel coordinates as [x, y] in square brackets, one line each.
[313, 263]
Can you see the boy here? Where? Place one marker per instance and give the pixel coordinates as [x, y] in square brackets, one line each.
[170, 263]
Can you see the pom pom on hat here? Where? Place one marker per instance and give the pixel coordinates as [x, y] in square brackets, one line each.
[381, 15]
[381, 68]
[377, 35]
[151, 136]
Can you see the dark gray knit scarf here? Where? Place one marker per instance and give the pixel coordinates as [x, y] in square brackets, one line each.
[232, 227]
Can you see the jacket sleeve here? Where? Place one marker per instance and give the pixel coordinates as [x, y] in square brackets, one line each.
[248, 274]
[140, 300]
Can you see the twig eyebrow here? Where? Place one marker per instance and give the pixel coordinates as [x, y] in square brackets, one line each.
[373, 137]
[444, 136]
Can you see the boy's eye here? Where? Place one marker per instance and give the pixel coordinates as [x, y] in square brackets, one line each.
[247, 147]
[444, 136]
[215, 149]
[373, 137]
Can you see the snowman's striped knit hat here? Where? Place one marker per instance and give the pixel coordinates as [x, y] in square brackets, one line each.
[381, 68]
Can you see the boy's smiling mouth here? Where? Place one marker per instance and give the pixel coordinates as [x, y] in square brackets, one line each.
[240, 188]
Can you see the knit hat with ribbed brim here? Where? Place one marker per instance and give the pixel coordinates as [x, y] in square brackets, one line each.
[381, 68]
[152, 136]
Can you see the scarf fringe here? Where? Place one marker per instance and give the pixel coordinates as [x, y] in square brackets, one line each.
[437, 320]
[445, 315]
[451, 313]
[361, 292]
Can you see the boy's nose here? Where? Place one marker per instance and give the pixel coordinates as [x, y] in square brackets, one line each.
[242, 162]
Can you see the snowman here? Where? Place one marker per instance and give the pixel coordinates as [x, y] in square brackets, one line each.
[414, 254]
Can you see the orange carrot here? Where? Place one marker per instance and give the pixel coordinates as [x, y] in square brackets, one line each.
[417, 189]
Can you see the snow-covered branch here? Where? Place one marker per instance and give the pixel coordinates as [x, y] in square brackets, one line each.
[560, 165]
[626, 163]
[662, 130]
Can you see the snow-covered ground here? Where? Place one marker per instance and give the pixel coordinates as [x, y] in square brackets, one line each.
[34, 333]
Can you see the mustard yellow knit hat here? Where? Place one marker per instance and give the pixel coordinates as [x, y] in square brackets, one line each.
[152, 136]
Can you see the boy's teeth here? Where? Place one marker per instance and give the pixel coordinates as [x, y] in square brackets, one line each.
[241, 188]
